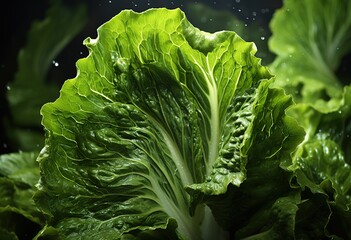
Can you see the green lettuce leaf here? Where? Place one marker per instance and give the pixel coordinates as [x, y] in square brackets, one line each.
[160, 118]
[322, 162]
[310, 38]
[273, 137]
[212, 20]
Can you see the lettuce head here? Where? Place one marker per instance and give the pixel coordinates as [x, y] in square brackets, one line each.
[163, 132]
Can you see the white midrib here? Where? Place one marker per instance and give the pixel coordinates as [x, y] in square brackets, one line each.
[179, 161]
[214, 119]
[213, 142]
[188, 225]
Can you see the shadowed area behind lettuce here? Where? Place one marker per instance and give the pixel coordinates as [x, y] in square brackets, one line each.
[19, 216]
[30, 88]
[19, 172]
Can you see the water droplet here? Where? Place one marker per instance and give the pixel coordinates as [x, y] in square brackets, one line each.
[262, 38]
[210, 19]
[239, 10]
[215, 3]
[56, 64]
[254, 14]
[237, 1]
[8, 87]
[4, 145]
[109, 1]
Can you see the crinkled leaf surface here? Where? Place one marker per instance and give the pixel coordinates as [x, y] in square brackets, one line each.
[310, 39]
[274, 136]
[322, 162]
[156, 108]
[325, 152]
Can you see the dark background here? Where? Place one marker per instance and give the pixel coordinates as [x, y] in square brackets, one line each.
[17, 17]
